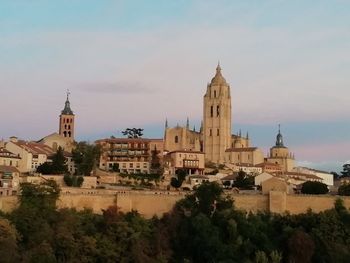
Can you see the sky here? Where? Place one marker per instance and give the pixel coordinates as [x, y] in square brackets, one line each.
[135, 63]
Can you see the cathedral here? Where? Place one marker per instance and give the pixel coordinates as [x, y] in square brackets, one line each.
[215, 138]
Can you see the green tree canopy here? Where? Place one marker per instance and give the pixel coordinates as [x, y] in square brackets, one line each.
[133, 132]
[315, 188]
[57, 164]
[86, 157]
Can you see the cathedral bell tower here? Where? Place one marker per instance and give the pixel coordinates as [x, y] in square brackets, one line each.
[66, 128]
[217, 118]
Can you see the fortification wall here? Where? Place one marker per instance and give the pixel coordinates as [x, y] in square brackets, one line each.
[149, 203]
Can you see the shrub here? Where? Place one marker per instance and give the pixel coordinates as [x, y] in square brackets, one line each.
[344, 189]
[68, 179]
[79, 181]
[314, 188]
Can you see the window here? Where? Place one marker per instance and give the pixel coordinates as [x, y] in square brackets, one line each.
[211, 111]
[131, 165]
[176, 139]
[210, 132]
[218, 111]
[214, 93]
[218, 132]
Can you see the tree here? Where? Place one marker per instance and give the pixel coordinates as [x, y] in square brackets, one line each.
[8, 242]
[244, 181]
[346, 170]
[301, 247]
[73, 180]
[133, 132]
[177, 181]
[115, 167]
[155, 160]
[56, 166]
[85, 157]
[344, 189]
[314, 188]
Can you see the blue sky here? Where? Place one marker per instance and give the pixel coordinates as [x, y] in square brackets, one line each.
[134, 63]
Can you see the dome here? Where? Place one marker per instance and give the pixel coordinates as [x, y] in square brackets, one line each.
[218, 78]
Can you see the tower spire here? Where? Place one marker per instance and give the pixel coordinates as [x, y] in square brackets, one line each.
[68, 93]
[166, 123]
[188, 123]
[279, 137]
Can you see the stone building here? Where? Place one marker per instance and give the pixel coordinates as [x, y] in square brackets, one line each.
[8, 158]
[181, 138]
[190, 161]
[66, 124]
[128, 155]
[279, 154]
[217, 119]
[214, 138]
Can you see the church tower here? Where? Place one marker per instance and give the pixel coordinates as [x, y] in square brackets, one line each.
[66, 128]
[279, 154]
[217, 118]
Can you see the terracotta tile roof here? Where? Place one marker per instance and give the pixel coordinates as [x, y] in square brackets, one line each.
[35, 148]
[245, 149]
[268, 164]
[7, 169]
[230, 177]
[7, 154]
[125, 140]
[185, 151]
[309, 176]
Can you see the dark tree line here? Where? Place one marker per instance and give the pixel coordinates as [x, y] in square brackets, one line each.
[203, 227]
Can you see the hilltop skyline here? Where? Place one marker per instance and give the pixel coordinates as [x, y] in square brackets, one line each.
[286, 63]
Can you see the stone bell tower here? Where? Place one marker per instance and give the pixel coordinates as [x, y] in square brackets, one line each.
[66, 126]
[217, 118]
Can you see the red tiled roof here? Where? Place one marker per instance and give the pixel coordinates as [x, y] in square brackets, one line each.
[244, 149]
[6, 169]
[7, 154]
[35, 148]
[185, 151]
[310, 176]
[121, 140]
[268, 164]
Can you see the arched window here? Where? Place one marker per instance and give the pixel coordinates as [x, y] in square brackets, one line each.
[214, 93]
[218, 132]
[65, 126]
[68, 127]
[176, 139]
[218, 111]
[210, 132]
[65, 134]
[69, 134]
[211, 111]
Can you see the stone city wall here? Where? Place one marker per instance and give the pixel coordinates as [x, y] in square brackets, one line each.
[149, 203]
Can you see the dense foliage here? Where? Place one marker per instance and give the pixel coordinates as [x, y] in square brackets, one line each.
[85, 157]
[344, 189]
[133, 132]
[73, 180]
[244, 181]
[203, 227]
[57, 164]
[314, 188]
